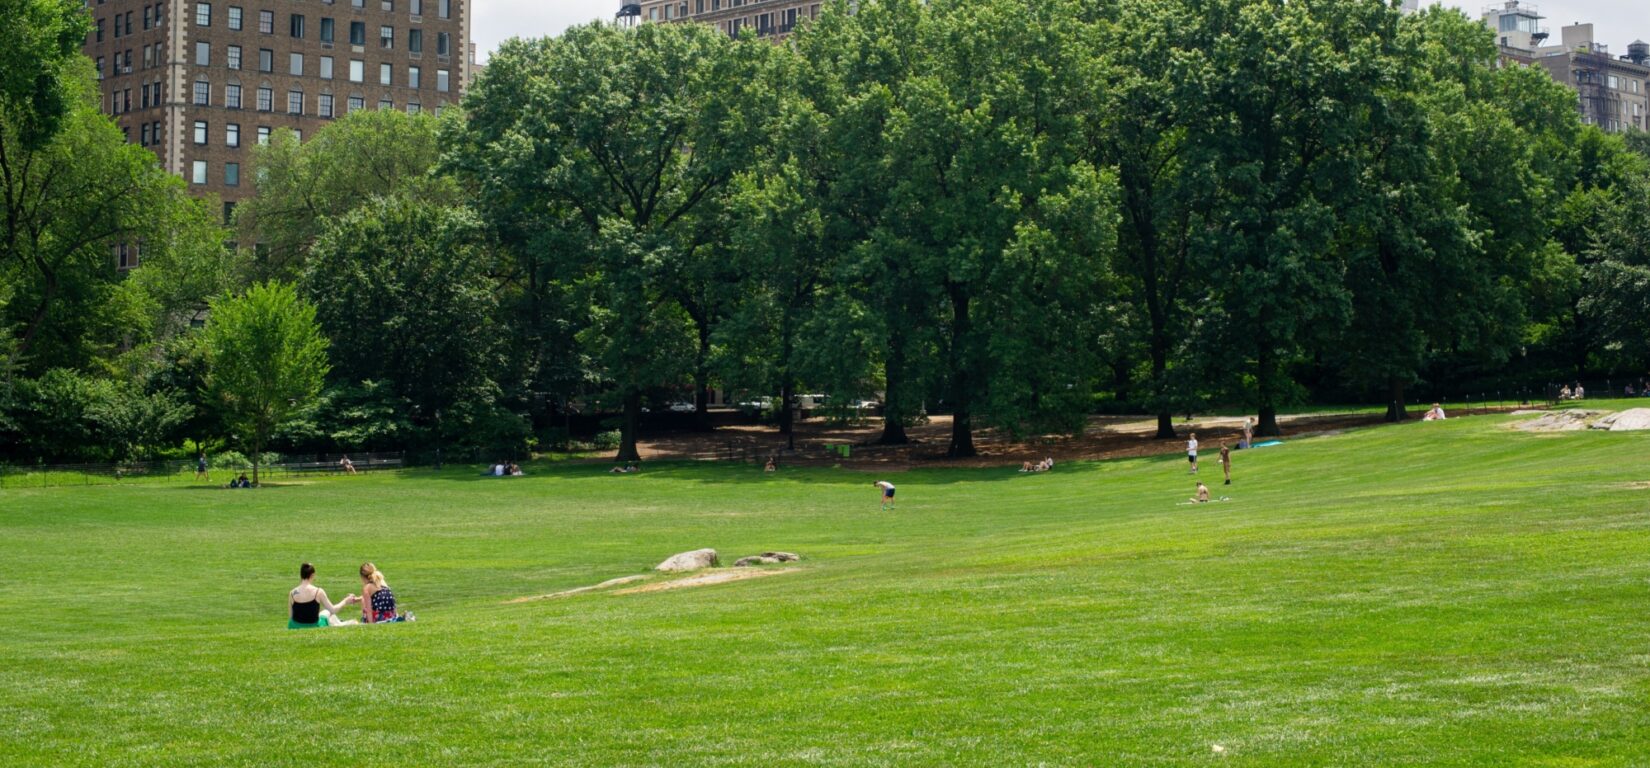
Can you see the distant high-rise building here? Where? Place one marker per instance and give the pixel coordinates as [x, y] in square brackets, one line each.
[1611, 92]
[766, 18]
[199, 83]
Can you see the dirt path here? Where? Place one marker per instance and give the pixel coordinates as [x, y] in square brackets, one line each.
[1107, 437]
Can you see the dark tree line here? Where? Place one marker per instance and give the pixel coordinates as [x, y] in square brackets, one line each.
[1013, 212]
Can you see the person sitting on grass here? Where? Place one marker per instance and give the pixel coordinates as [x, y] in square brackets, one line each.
[308, 606]
[1436, 413]
[624, 470]
[771, 466]
[514, 470]
[1202, 496]
[346, 465]
[240, 482]
[1025, 466]
[377, 601]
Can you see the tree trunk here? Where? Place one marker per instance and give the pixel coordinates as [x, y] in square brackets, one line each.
[701, 382]
[962, 418]
[257, 456]
[787, 411]
[893, 410]
[1265, 391]
[1395, 400]
[627, 430]
[1165, 426]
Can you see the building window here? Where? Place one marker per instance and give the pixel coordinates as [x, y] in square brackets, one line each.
[415, 41]
[203, 15]
[413, 108]
[323, 105]
[386, 37]
[143, 135]
[357, 33]
[412, 77]
[100, 63]
[385, 103]
[358, 3]
[199, 172]
[415, 7]
[326, 31]
[295, 64]
[444, 8]
[233, 56]
[384, 74]
[326, 67]
[441, 82]
[203, 93]
[117, 26]
[200, 131]
[203, 54]
[386, 5]
[231, 178]
[235, 17]
[266, 22]
[442, 47]
[263, 135]
[232, 135]
[266, 98]
[232, 96]
[126, 256]
[266, 60]
[294, 102]
[146, 17]
[296, 25]
[357, 103]
[357, 70]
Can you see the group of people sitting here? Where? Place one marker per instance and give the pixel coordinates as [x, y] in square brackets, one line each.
[1435, 413]
[1041, 466]
[504, 470]
[1576, 393]
[624, 470]
[308, 606]
[240, 482]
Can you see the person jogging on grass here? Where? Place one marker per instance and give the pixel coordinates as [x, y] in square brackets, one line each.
[1191, 452]
[887, 494]
[1226, 462]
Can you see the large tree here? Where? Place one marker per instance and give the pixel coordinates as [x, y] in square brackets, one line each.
[67, 202]
[267, 361]
[630, 139]
[302, 185]
[402, 289]
[994, 210]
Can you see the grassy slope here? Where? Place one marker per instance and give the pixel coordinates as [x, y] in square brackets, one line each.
[1440, 594]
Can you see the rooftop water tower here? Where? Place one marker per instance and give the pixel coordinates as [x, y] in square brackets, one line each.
[1638, 52]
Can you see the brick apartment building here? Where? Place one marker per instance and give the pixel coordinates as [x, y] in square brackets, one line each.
[768, 18]
[199, 83]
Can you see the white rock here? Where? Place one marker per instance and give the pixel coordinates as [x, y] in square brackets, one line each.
[689, 561]
[1632, 419]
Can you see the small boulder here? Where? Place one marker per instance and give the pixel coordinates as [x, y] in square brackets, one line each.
[783, 557]
[754, 560]
[689, 561]
[1631, 420]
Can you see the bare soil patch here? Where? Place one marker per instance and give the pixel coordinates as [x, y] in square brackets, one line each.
[1106, 437]
[707, 579]
[579, 590]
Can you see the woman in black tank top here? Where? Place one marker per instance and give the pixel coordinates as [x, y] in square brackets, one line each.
[305, 602]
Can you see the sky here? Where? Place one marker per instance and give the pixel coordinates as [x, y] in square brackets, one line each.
[1615, 22]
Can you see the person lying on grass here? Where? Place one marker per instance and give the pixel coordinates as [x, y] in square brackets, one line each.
[624, 470]
[308, 606]
[377, 601]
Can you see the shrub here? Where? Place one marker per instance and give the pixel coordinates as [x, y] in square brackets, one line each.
[607, 440]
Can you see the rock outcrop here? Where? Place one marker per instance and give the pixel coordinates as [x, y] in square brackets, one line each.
[689, 561]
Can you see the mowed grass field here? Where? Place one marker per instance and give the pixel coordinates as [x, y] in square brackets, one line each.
[1445, 594]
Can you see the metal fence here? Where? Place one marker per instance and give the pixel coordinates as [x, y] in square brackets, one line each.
[183, 471]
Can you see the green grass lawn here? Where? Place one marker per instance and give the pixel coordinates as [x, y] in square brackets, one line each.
[1424, 594]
